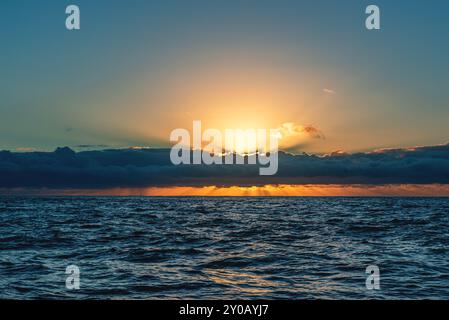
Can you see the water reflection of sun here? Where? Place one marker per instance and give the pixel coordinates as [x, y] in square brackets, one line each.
[242, 282]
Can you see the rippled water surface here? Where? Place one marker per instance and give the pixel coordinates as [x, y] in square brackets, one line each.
[211, 248]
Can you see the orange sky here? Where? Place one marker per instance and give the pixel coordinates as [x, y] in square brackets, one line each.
[429, 190]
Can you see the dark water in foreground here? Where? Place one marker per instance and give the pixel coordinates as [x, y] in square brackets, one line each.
[224, 247]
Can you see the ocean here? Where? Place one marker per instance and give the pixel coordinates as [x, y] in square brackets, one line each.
[224, 248]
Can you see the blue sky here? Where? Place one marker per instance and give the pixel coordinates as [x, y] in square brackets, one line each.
[103, 84]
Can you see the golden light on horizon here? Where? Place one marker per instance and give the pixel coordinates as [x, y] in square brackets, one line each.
[309, 190]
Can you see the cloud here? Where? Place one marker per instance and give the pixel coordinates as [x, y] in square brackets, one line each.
[91, 146]
[65, 168]
[329, 91]
[295, 136]
[313, 132]
[291, 129]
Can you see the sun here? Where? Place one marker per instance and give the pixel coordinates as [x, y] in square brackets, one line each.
[245, 141]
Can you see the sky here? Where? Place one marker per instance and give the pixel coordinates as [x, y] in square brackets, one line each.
[136, 70]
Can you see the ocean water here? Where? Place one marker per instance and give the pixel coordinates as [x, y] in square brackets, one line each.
[224, 248]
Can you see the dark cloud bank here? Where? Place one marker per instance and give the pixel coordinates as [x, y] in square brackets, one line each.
[64, 168]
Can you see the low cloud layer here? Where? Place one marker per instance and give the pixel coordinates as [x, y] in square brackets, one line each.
[64, 169]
